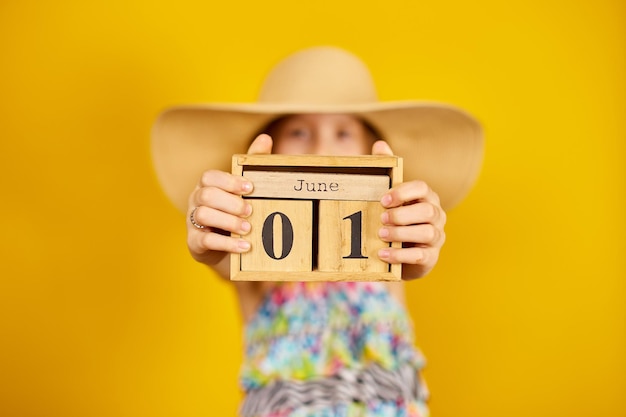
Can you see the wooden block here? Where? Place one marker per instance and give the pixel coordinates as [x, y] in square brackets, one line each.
[375, 161]
[348, 237]
[314, 276]
[336, 262]
[281, 236]
[318, 186]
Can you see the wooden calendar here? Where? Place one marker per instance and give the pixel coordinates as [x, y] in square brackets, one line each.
[316, 218]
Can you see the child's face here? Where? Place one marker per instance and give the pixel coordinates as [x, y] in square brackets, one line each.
[322, 134]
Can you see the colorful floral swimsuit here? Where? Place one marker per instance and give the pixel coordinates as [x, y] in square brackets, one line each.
[331, 349]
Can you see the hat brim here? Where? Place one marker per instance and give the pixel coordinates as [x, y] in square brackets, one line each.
[440, 144]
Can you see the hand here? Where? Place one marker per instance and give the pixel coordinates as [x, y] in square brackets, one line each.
[414, 217]
[221, 211]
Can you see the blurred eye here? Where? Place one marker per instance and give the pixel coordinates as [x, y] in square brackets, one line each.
[298, 133]
[344, 134]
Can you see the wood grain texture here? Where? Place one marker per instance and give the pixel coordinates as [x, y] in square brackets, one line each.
[317, 186]
[339, 186]
[271, 251]
[376, 161]
[348, 236]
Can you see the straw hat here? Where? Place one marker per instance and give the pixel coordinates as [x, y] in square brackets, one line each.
[440, 144]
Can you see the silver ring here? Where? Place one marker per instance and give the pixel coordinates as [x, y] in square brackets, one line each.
[193, 221]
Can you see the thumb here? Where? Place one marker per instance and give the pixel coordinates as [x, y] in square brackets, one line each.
[380, 147]
[262, 144]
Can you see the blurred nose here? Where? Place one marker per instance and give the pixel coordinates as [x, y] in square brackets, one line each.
[324, 140]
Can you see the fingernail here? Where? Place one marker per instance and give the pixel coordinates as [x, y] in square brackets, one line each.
[246, 187]
[245, 227]
[247, 211]
[383, 232]
[384, 217]
[244, 245]
[386, 200]
[384, 253]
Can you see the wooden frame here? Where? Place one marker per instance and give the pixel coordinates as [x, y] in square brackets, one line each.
[359, 181]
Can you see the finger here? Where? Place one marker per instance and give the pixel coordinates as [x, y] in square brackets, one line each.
[221, 200]
[412, 256]
[262, 144]
[380, 147]
[200, 243]
[215, 219]
[408, 192]
[421, 234]
[223, 180]
[417, 213]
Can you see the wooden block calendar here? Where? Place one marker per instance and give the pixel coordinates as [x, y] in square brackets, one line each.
[316, 218]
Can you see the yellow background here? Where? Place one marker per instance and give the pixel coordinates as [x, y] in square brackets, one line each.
[103, 313]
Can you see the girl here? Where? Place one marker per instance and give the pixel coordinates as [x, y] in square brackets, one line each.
[323, 348]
